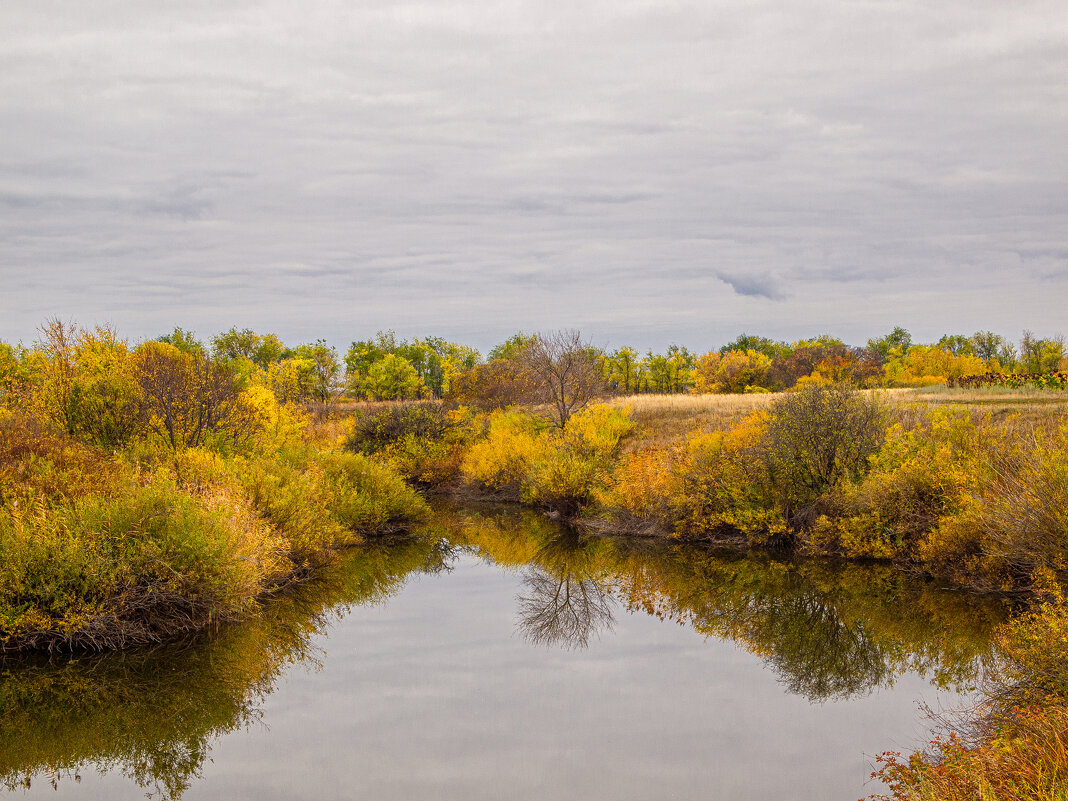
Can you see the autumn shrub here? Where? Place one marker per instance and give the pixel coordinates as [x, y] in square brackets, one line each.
[502, 459]
[567, 474]
[1023, 517]
[105, 571]
[725, 489]
[1022, 761]
[320, 502]
[373, 432]
[1015, 745]
[292, 497]
[366, 497]
[423, 441]
[523, 457]
[85, 383]
[814, 439]
[713, 488]
[922, 475]
[642, 494]
[38, 462]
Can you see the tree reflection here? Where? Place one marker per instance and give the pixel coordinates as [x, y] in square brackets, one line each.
[153, 714]
[563, 603]
[562, 609]
[827, 630]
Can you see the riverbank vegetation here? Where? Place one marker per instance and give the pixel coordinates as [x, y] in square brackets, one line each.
[154, 488]
[151, 490]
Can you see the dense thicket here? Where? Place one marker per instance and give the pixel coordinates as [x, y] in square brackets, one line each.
[152, 489]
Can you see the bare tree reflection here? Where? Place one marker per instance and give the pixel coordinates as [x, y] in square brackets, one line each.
[563, 603]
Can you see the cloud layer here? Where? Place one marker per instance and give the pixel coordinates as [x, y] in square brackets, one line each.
[647, 171]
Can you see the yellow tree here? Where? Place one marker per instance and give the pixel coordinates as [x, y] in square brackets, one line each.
[733, 371]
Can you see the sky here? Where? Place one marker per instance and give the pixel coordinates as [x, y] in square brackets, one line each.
[649, 172]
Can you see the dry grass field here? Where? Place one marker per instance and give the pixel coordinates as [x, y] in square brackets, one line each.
[669, 419]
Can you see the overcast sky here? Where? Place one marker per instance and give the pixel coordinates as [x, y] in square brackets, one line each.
[649, 172]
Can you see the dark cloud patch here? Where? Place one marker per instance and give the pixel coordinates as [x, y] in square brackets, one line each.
[753, 286]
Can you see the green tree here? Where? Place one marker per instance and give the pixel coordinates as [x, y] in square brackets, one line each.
[957, 344]
[393, 378]
[897, 342]
[622, 369]
[511, 347]
[325, 370]
[185, 341]
[989, 346]
[1041, 355]
[769, 347]
[261, 349]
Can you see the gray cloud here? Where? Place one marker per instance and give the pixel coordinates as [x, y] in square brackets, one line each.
[469, 168]
[753, 286]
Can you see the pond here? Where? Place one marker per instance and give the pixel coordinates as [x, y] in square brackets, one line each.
[500, 655]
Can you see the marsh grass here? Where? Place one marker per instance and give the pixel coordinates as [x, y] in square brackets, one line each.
[1026, 407]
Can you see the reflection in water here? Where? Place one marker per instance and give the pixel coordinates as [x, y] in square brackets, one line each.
[153, 714]
[562, 603]
[828, 631]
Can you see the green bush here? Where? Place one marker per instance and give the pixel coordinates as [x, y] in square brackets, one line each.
[106, 571]
[366, 497]
[814, 439]
[374, 432]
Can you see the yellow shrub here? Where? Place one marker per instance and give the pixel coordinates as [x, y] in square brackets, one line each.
[271, 426]
[523, 457]
[644, 489]
[504, 458]
[723, 486]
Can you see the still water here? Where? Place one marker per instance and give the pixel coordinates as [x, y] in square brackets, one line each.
[500, 656]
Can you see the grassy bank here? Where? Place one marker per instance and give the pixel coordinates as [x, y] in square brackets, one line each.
[945, 483]
[969, 486]
[102, 550]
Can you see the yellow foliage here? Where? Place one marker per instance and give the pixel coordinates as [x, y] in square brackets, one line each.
[525, 458]
[514, 441]
[734, 371]
[644, 487]
[927, 365]
[272, 426]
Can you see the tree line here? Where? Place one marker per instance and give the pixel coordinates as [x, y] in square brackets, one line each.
[560, 368]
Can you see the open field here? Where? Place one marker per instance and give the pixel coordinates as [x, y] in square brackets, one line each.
[667, 419]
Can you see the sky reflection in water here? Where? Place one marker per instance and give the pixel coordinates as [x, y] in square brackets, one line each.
[504, 657]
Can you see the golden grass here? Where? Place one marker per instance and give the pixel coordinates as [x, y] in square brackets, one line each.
[1023, 407]
[669, 419]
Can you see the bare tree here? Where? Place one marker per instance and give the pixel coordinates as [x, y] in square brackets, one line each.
[565, 372]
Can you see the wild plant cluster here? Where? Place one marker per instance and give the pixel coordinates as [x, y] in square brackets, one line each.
[150, 490]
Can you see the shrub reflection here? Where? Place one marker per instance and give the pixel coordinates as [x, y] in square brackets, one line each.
[828, 631]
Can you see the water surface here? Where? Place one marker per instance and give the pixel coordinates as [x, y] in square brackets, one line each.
[502, 656]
